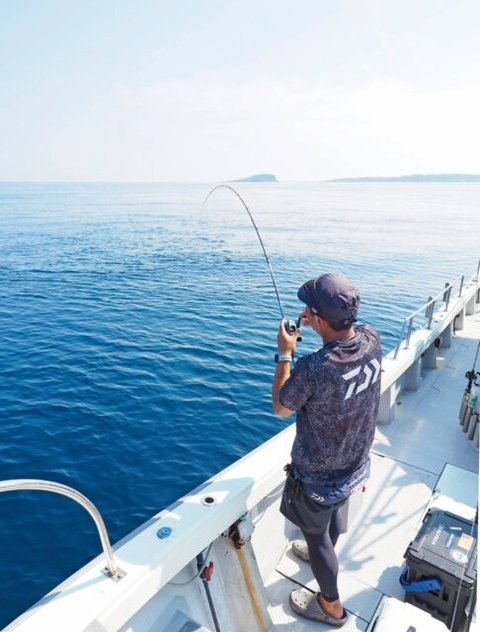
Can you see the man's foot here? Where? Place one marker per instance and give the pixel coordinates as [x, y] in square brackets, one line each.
[300, 549]
[333, 608]
[308, 605]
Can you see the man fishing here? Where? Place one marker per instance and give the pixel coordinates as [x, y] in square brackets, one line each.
[335, 394]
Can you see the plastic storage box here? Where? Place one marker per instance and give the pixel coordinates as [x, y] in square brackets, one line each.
[444, 549]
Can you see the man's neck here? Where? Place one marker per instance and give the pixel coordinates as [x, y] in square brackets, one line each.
[333, 336]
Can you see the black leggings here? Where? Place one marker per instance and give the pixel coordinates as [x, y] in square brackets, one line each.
[321, 526]
[323, 559]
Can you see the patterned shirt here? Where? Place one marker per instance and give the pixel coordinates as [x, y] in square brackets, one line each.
[335, 392]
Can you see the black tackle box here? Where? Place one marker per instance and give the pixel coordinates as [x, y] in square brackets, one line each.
[444, 549]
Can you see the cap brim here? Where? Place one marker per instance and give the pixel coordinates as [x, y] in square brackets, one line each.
[305, 292]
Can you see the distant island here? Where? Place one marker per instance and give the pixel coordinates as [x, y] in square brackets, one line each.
[441, 177]
[260, 177]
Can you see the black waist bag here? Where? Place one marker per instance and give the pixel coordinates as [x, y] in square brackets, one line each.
[299, 507]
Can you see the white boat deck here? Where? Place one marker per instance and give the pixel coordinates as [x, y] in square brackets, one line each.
[422, 450]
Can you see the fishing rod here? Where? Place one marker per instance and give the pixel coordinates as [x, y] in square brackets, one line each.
[290, 325]
[469, 399]
[473, 374]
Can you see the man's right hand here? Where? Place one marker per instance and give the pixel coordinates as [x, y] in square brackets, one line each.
[287, 343]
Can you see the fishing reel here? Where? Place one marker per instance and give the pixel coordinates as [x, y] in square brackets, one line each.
[291, 327]
[471, 377]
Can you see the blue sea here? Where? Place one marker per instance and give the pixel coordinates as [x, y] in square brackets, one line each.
[137, 334]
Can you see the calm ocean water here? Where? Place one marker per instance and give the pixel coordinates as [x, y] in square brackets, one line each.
[137, 333]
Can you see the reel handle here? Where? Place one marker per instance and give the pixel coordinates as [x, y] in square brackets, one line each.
[291, 327]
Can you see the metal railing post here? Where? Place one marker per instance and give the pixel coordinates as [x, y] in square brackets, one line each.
[461, 285]
[397, 348]
[428, 309]
[12, 485]
[446, 295]
[409, 332]
[430, 315]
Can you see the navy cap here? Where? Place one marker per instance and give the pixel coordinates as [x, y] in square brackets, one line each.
[333, 297]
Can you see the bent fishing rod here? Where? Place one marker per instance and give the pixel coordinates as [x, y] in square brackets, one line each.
[290, 325]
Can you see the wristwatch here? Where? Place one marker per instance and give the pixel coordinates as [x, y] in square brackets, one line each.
[281, 357]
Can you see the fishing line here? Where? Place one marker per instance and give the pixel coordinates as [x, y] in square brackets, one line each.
[265, 254]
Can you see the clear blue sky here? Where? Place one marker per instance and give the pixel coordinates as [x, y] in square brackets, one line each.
[209, 90]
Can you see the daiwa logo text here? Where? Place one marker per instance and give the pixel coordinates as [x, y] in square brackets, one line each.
[371, 371]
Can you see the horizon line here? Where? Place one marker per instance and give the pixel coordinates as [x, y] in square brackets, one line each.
[318, 181]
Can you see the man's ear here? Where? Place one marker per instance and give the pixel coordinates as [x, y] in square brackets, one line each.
[322, 324]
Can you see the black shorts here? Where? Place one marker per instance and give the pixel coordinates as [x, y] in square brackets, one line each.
[303, 511]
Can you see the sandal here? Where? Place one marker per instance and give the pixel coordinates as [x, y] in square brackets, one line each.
[300, 549]
[306, 604]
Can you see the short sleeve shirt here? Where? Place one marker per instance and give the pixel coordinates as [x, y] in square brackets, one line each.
[335, 392]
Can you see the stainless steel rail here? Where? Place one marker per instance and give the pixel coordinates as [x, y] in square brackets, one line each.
[429, 310]
[13, 485]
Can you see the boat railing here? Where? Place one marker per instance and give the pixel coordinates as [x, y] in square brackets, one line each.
[111, 570]
[424, 315]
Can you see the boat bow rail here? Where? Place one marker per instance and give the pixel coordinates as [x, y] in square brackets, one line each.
[161, 548]
[31, 484]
